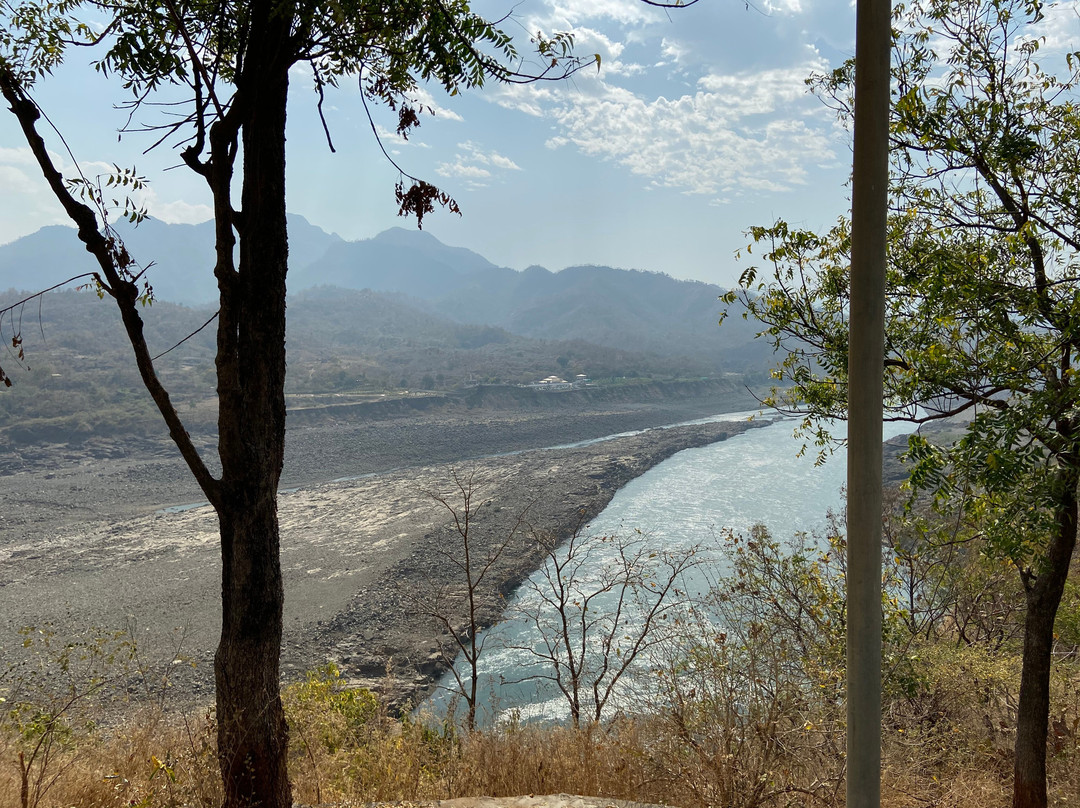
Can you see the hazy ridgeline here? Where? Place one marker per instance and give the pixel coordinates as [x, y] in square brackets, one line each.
[400, 312]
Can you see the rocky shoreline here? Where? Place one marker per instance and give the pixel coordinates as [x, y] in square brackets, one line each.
[385, 630]
[85, 544]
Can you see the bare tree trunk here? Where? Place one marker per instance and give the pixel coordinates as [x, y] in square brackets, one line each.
[252, 733]
[1043, 597]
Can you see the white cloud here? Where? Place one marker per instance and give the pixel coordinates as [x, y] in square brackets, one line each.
[589, 40]
[671, 51]
[626, 12]
[301, 73]
[785, 7]
[462, 168]
[29, 205]
[424, 99]
[528, 98]
[499, 161]
[532, 99]
[473, 163]
[723, 134]
[177, 211]
[760, 93]
[620, 68]
[13, 179]
[391, 138]
[17, 157]
[1059, 29]
[736, 132]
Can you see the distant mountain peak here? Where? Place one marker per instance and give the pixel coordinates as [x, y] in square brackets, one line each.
[404, 235]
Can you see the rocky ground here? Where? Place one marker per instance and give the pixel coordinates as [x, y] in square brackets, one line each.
[90, 538]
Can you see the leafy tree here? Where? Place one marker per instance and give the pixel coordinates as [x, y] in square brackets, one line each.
[983, 313]
[232, 59]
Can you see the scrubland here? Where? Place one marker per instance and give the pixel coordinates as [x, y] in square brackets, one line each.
[744, 707]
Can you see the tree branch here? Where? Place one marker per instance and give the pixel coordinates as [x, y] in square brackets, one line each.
[113, 261]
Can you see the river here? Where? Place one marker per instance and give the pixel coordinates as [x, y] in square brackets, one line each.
[758, 477]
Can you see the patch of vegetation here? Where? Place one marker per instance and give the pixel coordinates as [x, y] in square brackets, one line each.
[746, 707]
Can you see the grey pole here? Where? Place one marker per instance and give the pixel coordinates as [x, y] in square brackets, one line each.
[869, 202]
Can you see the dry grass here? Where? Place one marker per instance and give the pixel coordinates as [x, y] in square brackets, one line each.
[151, 759]
[344, 748]
[741, 722]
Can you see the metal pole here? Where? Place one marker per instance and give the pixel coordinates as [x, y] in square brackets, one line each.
[869, 201]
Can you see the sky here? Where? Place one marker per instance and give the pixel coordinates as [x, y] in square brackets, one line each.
[697, 126]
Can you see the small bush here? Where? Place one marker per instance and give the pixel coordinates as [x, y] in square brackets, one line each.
[72, 735]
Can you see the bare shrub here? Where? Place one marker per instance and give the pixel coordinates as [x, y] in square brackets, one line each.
[458, 610]
[84, 724]
[598, 604]
[752, 702]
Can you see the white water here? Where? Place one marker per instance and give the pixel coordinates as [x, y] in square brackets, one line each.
[757, 477]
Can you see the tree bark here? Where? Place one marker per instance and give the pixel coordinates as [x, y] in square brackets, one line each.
[252, 733]
[1043, 595]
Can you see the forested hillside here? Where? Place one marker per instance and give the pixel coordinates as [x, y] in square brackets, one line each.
[625, 310]
[78, 376]
[397, 313]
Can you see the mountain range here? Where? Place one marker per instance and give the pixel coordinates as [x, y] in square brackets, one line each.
[627, 310]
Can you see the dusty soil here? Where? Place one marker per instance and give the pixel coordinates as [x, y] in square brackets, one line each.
[86, 542]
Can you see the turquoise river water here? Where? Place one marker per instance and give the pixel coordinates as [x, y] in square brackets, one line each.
[756, 477]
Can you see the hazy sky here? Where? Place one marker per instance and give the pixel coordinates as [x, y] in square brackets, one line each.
[697, 126]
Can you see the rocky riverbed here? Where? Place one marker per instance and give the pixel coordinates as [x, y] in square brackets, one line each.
[87, 541]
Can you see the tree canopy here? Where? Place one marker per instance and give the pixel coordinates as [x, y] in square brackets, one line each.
[983, 311]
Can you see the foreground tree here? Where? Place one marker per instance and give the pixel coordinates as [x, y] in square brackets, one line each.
[232, 60]
[983, 314]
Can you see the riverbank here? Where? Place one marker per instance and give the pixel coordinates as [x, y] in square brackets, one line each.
[87, 545]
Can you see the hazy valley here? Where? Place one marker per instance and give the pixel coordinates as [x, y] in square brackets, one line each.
[397, 315]
[403, 353]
